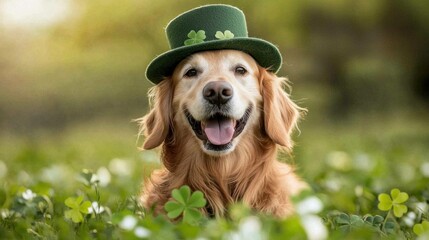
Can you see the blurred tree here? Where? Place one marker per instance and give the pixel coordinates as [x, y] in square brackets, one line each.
[343, 56]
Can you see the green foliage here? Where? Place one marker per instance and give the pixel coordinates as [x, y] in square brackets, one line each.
[348, 222]
[421, 228]
[89, 67]
[352, 223]
[395, 201]
[78, 209]
[186, 204]
[347, 166]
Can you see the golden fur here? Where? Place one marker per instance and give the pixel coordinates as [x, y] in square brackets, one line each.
[248, 172]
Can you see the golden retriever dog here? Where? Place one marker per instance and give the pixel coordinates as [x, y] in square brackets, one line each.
[220, 120]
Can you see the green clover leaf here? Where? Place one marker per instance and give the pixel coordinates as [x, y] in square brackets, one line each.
[421, 228]
[395, 201]
[225, 35]
[78, 209]
[174, 209]
[186, 204]
[195, 37]
[375, 221]
[347, 223]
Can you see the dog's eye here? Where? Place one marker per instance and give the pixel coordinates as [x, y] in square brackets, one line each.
[240, 70]
[191, 73]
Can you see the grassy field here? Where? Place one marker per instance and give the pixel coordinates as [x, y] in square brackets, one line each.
[70, 166]
[347, 164]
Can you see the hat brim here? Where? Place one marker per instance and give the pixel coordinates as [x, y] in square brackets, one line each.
[265, 53]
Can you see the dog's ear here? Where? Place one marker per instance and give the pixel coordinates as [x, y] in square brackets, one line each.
[280, 113]
[156, 125]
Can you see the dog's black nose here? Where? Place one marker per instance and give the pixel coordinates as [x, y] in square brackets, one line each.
[218, 92]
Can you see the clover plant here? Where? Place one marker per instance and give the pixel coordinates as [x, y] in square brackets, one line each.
[186, 204]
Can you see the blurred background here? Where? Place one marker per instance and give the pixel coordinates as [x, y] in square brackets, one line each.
[72, 78]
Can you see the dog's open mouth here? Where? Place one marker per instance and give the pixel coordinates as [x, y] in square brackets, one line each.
[218, 131]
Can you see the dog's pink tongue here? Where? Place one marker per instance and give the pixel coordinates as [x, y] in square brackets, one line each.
[219, 132]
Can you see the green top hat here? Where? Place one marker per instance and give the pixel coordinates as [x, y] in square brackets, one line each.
[211, 27]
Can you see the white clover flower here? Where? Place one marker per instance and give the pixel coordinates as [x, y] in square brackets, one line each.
[250, 228]
[363, 162]
[407, 172]
[24, 178]
[310, 205]
[340, 161]
[120, 167]
[57, 174]
[128, 223]
[314, 227]
[410, 218]
[422, 207]
[333, 184]
[5, 213]
[424, 169]
[95, 208]
[141, 232]
[94, 179]
[104, 176]
[28, 195]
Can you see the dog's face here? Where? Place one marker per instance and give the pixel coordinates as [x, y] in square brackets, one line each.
[219, 98]
[217, 95]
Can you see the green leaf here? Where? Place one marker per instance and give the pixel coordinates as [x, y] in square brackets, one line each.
[399, 210]
[385, 202]
[197, 200]
[74, 215]
[418, 229]
[182, 195]
[343, 219]
[394, 192]
[73, 202]
[384, 206]
[369, 219]
[191, 215]
[389, 226]
[378, 220]
[173, 209]
[84, 207]
[186, 204]
[77, 208]
[356, 220]
[398, 196]
[421, 228]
